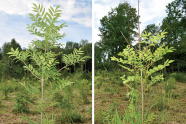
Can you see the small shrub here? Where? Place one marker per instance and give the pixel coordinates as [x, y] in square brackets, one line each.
[58, 98]
[180, 77]
[65, 100]
[160, 105]
[6, 88]
[98, 84]
[70, 116]
[22, 102]
[132, 95]
[168, 86]
[84, 90]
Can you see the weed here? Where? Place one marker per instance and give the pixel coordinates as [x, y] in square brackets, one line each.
[176, 95]
[108, 115]
[114, 91]
[107, 89]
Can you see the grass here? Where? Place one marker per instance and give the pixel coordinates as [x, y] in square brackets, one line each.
[15, 108]
[166, 108]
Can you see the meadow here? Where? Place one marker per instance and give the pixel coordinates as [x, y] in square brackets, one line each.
[166, 99]
[71, 105]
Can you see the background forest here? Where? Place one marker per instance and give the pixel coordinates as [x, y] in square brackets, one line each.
[12, 69]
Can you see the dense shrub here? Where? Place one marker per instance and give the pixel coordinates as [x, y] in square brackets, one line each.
[22, 102]
[180, 77]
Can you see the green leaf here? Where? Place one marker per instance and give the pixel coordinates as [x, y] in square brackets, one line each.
[57, 7]
[35, 5]
[51, 13]
[52, 8]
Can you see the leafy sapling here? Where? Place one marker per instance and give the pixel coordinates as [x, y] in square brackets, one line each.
[144, 60]
[43, 65]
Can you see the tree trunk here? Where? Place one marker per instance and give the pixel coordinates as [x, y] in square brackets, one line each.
[42, 84]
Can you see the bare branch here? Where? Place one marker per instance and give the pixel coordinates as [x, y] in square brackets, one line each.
[128, 42]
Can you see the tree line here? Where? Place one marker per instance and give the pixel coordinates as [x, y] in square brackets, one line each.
[12, 68]
[124, 19]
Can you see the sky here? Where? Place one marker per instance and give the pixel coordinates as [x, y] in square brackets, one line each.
[14, 17]
[151, 11]
[77, 14]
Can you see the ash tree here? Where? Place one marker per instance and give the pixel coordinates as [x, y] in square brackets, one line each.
[143, 63]
[43, 66]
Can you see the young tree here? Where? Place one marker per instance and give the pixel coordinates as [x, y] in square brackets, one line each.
[143, 61]
[44, 60]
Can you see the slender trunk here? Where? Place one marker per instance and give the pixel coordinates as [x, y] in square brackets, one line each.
[142, 97]
[42, 90]
[142, 87]
[42, 83]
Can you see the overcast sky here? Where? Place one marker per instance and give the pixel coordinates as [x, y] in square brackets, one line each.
[151, 11]
[77, 14]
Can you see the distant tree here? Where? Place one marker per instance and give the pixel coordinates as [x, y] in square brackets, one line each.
[175, 25]
[76, 45]
[1, 56]
[69, 45]
[151, 28]
[83, 43]
[120, 19]
[11, 68]
[100, 57]
[88, 52]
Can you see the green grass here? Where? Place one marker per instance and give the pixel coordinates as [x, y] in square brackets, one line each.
[21, 102]
[165, 100]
